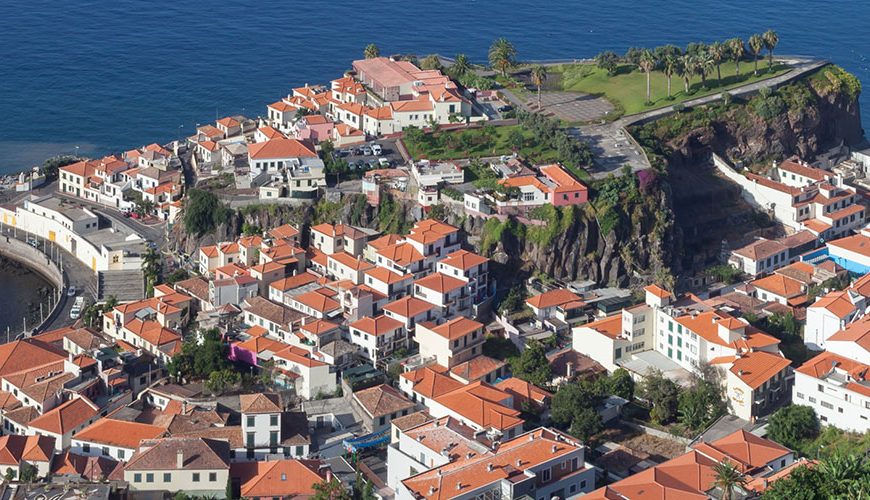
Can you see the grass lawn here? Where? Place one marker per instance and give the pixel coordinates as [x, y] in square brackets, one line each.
[441, 148]
[627, 89]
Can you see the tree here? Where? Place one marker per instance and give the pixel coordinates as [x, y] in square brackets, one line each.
[792, 425]
[151, 268]
[533, 365]
[586, 423]
[661, 393]
[632, 55]
[51, 166]
[704, 66]
[539, 76]
[670, 64]
[718, 53]
[647, 63]
[199, 360]
[621, 384]
[29, 473]
[770, 39]
[608, 61]
[203, 211]
[222, 380]
[431, 62]
[839, 476]
[756, 44]
[502, 55]
[371, 51]
[460, 66]
[516, 139]
[737, 50]
[368, 492]
[684, 70]
[331, 490]
[703, 401]
[728, 477]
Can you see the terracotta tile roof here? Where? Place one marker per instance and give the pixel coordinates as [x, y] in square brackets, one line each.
[90, 468]
[411, 106]
[610, 326]
[483, 405]
[455, 328]
[319, 327]
[260, 345]
[276, 313]
[299, 356]
[780, 285]
[382, 400]
[120, 433]
[827, 362]
[792, 165]
[411, 420]
[563, 180]
[431, 381]
[658, 291]
[747, 449]
[440, 283]
[198, 453]
[476, 368]
[858, 243]
[259, 403]
[14, 449]
[66, 417]
[293, 282]
[27, 353]
[816, 225]
[706, 324]
[270, 132]
[23, 415]
[376, 326]
[451, 437]
[837, 302]
[402, 254]
[761, 249]
[552, 298]
[317, 301]
[278, 478]
[530, 450]
[385, 241]
[857, 331]
[348, 260]
[523, 391]
[755, 368]
[463, 259]
[284, 232]
[408, 306]
[280, 148]
[429, 231]
[771, 184]
[384, 275]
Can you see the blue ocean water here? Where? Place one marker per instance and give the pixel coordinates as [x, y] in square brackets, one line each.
[110, 75]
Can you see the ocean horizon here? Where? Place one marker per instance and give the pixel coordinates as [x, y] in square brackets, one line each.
[102, 77]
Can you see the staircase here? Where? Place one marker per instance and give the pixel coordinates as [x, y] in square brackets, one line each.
[123, 285]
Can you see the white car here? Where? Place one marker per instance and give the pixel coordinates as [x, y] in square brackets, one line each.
[74, 313]
[376, 149]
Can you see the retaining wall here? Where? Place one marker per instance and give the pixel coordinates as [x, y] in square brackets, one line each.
[38, 262]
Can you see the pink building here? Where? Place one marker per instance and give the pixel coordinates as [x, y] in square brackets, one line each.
[565, 189]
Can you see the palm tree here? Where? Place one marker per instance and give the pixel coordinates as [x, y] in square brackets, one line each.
[502, 55]
[718, 52]
[647, 63]
[770, 39]
[460, 65]
[756, 44]
[704, 66]
[737, 49]
[670, 64]
[371, 51]
[539, 76]
[728, 477]
[684, 70]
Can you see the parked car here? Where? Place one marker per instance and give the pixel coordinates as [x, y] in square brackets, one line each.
[367, 151]
[505, 108]
[384, 162]
[77, 307]
[373, 164]
[71, 291]
[376, 149]
[360, 165]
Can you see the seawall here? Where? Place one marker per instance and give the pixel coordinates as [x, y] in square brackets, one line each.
[39, 263]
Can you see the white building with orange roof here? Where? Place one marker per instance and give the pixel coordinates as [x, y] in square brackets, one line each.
[117, 439]
[267, 133]
[401, 258]
[434, 240]
[373, 246]
[280, 290]
[831, 313]
[852, 252]
[378, 337]
[346, 89]
[391, 284]
[545, 305]
[64, 421]
[782, 289]
[481, 406]
[451, 343]
[281, 114]
[410, 311]
[543, 463]
[287, 233]
[311, 378]
[321, 303]
[837, 388]
[279, 155]
[450, 295]
[212, 257]
[336, 238]
[853, 341]
[344, 135]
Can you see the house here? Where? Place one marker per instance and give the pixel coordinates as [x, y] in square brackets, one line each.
[428, 174]
[693, 475]
[195, 466]
[276, 155]
[311, 378]
[837, 388]
[233, 290]
[344, 266]
[378, 337]
[447, 293]
[543, 463]
[336, 238]
[853, 341]
[851, 252]
[261, 421]
[379, 405]
[833, 311]
[410, 311]
[62, 422]
[545, 305]
[763, 256]
[780, 289]
[472, 268]
[388, 283]
[277, 319]
[114, 439]
[451, 343]
[278, 478]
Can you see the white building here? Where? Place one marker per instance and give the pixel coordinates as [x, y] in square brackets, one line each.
[837, 388]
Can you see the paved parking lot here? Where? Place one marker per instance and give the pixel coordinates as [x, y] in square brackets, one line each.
[611, 147]
[573, 106]
[354, 155]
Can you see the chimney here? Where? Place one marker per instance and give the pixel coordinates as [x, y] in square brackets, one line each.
[553, 449]
[431, 490]
[519, 463]
[569, 369]
[458, 485]
[179, 459]
[328, 475]
[489, 467]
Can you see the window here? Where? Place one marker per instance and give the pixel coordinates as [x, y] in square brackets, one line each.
[799, 395]
[196, 477]
[86, 448]
[105, 451]
[273, 438]
[273, 420]
[821, 388]
[212, 477]
[545, 475]
[167, 477]
[137, 478]
[121, 454]
[827, 405]
[812, 399]
[250, 440]
[582, 484]
[149, 477]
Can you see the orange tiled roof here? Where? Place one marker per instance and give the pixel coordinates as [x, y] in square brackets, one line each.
[552, 298]
[280, 148]
[120, 433]
[431, 381]
[277, 478]
[66, 417]
[857, 243]
[384, 275]
[455, 328]
[376, 326]
[463, 259]
[429, 231]
[482, 404]
[440, 282]
[780, 285]
[402, 254]
[408, 306]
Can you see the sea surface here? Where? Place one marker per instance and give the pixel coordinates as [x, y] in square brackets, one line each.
[103, 76]
[22, 289]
